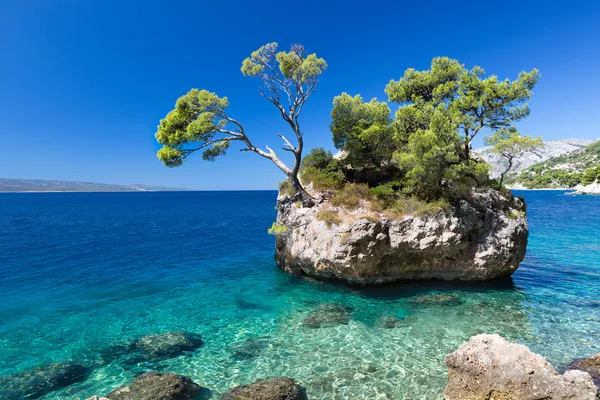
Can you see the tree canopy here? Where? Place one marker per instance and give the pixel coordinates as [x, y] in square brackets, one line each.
[200, 122]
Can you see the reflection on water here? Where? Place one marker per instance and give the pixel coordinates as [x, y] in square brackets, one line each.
[252, 317]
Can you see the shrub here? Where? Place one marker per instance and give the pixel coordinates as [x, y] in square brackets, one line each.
[321, 179]
[514, 214]
[277, 229]
[419, 208]
[286, 188]
[329, 217]
[351, 195]
[318, 158]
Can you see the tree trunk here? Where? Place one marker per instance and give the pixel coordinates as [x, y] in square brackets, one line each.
[301, 194]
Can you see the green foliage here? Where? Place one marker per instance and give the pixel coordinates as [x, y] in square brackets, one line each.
[364, 130]
[509, 144]
[329, 217]
[413, 206]
[514, 214]
[286, 188]
[591, 175]
[322, 170]
[277, 229]
[351, 196]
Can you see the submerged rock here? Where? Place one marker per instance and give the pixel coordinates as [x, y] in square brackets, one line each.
[490, 367]
[267, 389]
[249, 348]
[388, 322]
[37, 382]
[435, 300]
[167, 345]
[157, 386]
[482, 238]
[590, 365]
[327, 315]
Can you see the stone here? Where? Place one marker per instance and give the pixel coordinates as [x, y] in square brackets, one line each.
[327, 315]
[167, 345]
[490, 367]
[37, 382]
[157, 386]
[388, 322]
[435, 300]
[590, 365]
[481, 238]
[249, 348]
[280, 388]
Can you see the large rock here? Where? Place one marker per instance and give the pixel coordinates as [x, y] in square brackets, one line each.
[327, 315]
[157, 386]
[483, 238]
[267, 389]
[590, 365]
[37, 382]
[164, 346]
[489, 367]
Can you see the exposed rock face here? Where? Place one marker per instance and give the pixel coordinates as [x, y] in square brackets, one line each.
[267, 389]
[39, 381]
[157, 386]
[482, 238]
[590, 365]
[489, 367]
[592, 188]
[327, 315]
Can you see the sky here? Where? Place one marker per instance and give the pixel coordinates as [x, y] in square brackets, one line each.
[84, 83]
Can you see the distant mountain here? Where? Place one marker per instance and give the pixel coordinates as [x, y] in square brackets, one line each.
[38, 185]
[565, 171]
[553, 148]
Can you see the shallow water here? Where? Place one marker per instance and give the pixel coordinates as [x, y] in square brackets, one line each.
[80, 272]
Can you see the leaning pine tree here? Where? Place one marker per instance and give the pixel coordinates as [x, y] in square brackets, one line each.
[200, 121]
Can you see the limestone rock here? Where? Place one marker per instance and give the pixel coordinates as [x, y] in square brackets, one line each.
[489, 367]
[327, 315]
[37, 382]
[267, 389]
[157, 386]
[590, 365]
[167, 345]
[483, 238]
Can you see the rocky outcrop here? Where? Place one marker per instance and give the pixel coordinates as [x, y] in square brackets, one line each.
[592, 188]
[157, 386]
[489, 367]
[590, 365]
[37, 382]
[267, 389]
[482, 238]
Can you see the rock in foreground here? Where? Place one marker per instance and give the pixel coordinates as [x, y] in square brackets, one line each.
[590, 365]
[267, 389]
[483, 238]
[489, 367]
[37, 382]
[157, 386]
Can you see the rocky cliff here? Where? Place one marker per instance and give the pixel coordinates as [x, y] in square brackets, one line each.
[481, 238]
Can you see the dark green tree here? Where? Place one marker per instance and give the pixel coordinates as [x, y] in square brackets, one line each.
[200, 121]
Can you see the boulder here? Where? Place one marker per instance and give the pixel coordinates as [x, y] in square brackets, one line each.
[388, 322]
[490, 367]
[435, 300]
[164, 346]
[157, 386]
[327, 315]
[249, 348]
[481, 238]
[37, 382]
[267, 389]
[590, 365]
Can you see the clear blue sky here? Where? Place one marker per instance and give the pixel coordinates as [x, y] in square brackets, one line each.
[83, 83]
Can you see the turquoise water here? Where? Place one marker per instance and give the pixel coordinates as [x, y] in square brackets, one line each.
[81, 272]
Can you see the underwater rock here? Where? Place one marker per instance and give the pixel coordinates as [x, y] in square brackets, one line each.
[42, 380]
[327, 315]
[281, 388]
[590, 365]
[167, 345]
[249, 348]
[490, 367]
[157, 386]
[435, 300]
[388, 322]
[484, 237]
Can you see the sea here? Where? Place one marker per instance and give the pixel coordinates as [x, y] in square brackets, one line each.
[84, 273]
